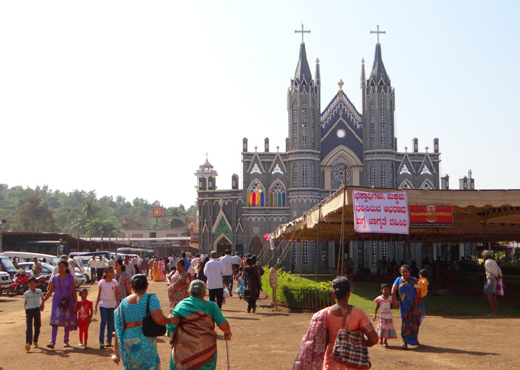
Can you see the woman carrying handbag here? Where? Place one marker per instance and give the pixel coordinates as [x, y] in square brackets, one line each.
[334, 332]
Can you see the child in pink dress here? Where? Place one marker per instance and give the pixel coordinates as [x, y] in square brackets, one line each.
[385, 326]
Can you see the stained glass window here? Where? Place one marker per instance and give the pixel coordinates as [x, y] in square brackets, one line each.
[426, 170]
[256, 194]
[277, 194]
[277, 169]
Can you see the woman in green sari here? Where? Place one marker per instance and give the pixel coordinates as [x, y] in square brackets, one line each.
[193, 332]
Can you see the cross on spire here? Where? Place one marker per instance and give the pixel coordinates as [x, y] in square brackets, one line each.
[378, 32]
[303, 32]
[206, 154]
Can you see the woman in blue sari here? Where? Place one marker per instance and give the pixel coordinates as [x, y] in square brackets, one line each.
[411, 306]
[136, 350]
[194, 337]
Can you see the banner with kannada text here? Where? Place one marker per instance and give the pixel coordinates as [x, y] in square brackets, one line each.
[383, 213]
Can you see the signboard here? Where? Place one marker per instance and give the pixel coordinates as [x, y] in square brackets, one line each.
[383, 213]
[157, 211]
[434, 216]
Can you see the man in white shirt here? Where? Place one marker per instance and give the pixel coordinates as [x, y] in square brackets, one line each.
[195, 263]
[100, 267]
[493, 273]
[214, 271]
[92, 265]
[129, 267]
[229, 270]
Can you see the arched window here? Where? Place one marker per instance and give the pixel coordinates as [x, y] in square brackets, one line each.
[314, 175]
[304, 175]
[277, 194]
[373, 175]
[294, 126]
[256, 194]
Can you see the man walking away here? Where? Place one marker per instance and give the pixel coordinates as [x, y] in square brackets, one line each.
[229, 270]
[143, 266]
[214, 271]
[187, 262]
[493, 273]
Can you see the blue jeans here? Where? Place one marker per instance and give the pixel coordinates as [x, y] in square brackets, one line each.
[107, 320]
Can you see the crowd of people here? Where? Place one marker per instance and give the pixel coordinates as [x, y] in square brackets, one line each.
[122, 302]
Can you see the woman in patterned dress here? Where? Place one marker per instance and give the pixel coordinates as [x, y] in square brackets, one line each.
[412, 309]
[179, 282]
[136, 350]
[64, 304]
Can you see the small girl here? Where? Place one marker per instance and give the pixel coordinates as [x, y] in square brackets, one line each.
[85, 313]
[385, 327]
[240, 285]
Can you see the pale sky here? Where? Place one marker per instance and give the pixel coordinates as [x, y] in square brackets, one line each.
[125, 97]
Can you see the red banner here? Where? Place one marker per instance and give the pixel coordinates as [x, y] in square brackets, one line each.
[434, 216]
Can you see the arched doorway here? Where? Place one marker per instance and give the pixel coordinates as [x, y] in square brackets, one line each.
[222, 244]
[255, 248]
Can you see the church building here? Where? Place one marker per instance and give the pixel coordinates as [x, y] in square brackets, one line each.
[324, 147]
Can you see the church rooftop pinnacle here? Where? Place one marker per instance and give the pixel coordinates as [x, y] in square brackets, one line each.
[378, 75]
[302, 75]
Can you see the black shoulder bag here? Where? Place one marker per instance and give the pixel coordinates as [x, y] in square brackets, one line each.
[150, 327]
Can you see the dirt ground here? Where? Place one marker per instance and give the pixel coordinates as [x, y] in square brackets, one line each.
[269, 340]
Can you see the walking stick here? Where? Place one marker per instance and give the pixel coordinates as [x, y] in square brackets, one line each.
[227, 353]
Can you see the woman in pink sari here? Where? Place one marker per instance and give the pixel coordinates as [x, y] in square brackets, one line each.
[179, 282]
[316, 348]
[161, 270]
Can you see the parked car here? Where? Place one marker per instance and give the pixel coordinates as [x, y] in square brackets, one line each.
[28, 257]
[5, 282]
[7, 265]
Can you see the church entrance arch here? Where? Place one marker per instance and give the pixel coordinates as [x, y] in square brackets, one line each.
[255, 248]
[222, 244]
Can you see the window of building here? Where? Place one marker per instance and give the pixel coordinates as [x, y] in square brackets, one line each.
[277, 169]
[171, 235]
[305, 253]
[313, 131]
[295, 126]
[304, 140]
[277, 194]
[382, 111]
[426, 171]
[295, 175]
[392, 175]
[256, 194]
[384, 250]
[383, 175]
[314, 175]
[304, 175]
[372, 175]
[256, 169]
[295, 254]
[374, 253]
[383, 142]
[137, 235]
[405, 169]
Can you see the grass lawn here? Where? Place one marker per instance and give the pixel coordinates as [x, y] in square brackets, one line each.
[363, 294]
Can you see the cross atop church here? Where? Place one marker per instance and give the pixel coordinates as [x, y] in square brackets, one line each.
[378, 32]
[303, 31]
[206, 154]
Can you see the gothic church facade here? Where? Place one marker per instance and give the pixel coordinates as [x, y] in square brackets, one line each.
[280, 185]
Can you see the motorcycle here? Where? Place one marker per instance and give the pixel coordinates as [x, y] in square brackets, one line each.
[19, 285]
[42, 282]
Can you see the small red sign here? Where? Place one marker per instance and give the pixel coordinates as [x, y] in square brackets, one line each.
[157, 211]
[434, 216]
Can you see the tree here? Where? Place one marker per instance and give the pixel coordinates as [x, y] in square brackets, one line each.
[34, 215]
[90, 209]
[108, 226]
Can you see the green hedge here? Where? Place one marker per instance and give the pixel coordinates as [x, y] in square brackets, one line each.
[298, 293]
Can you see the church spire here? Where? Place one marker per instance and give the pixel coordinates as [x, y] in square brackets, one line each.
[378, 75]
[303, 72]
[362, 81]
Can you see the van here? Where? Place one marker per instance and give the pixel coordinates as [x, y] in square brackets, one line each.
[28, 257]
[105, 254]
[7, 265]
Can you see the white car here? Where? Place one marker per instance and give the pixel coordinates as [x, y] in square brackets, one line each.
[5, 281]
